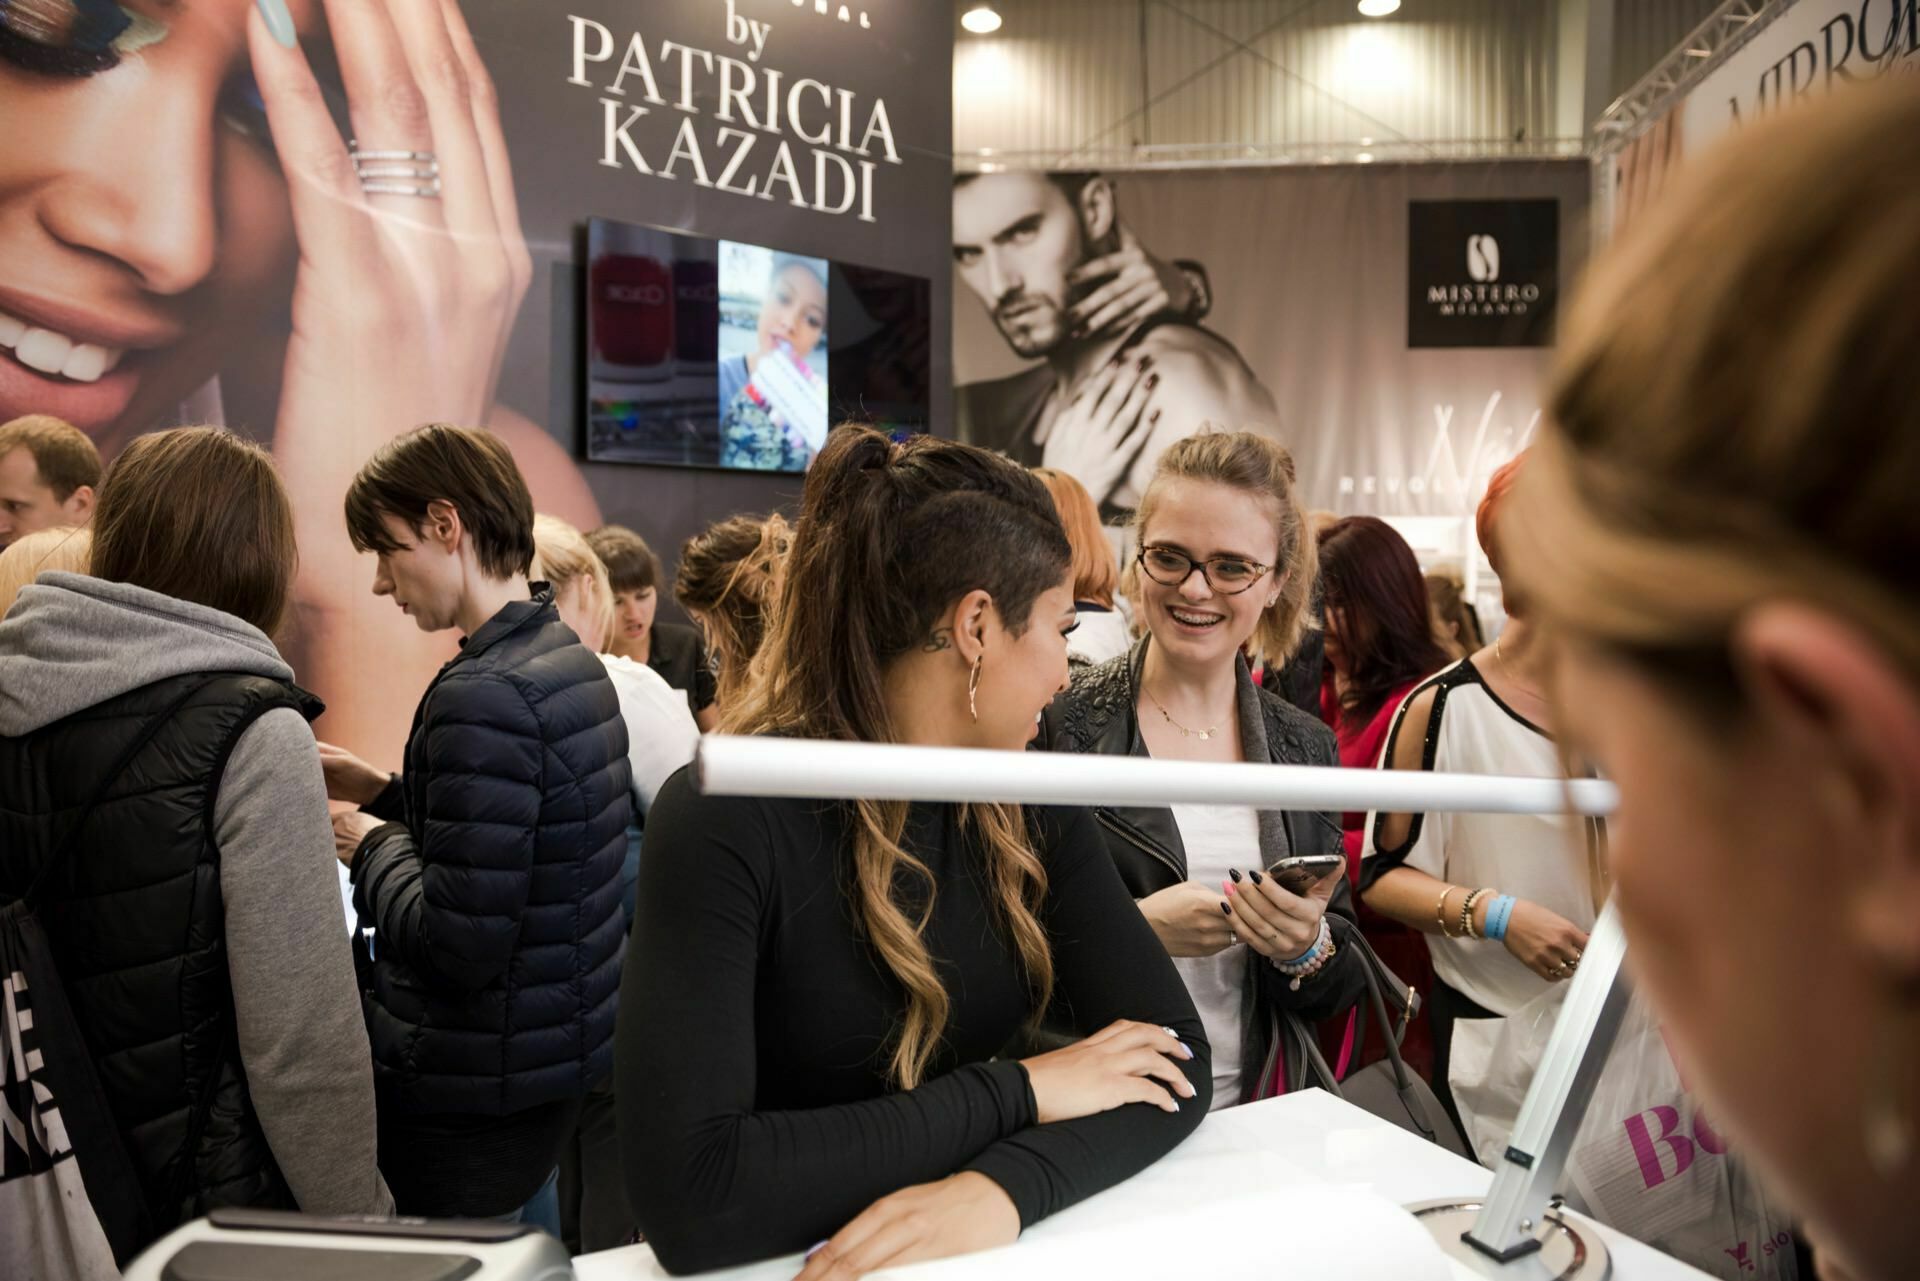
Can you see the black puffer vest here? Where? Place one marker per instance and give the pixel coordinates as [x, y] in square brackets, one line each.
[137, 925]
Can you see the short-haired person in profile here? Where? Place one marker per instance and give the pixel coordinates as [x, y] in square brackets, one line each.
[676, 651]
[1226, 563]
[49, 472]
[489, 869]
[1717, 531]
[816, 994]
[195, 922]
[1107, 399]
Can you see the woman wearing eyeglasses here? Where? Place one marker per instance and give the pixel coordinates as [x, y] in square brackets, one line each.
[1225, 561]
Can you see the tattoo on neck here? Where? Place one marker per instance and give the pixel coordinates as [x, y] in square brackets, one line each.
[942, 638]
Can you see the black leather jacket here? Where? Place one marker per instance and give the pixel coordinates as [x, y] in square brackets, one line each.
[1098, 714]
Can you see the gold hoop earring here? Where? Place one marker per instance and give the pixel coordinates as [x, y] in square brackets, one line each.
[973, 689]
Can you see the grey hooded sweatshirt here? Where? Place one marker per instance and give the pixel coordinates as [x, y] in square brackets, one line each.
[71, 642]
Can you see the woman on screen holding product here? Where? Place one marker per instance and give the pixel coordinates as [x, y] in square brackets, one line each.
[815, 994]
[1718, 532]
[1225, 560]
[773, 402]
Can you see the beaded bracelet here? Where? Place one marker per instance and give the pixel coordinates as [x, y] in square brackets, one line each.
[1498, 914]
[1310, 962]
[1467, 929]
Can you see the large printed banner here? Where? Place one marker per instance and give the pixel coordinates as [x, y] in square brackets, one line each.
[183, 237]
[1290, 303]
[1806, 48]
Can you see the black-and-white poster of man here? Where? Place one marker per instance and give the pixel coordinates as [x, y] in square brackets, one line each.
[1124, 366]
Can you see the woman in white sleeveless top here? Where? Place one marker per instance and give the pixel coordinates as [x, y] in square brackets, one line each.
[1505, 900]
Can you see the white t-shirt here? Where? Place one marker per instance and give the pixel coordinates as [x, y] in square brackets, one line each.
[661, 733]
[1218, 837]
[1099, 634]
[1540, 858]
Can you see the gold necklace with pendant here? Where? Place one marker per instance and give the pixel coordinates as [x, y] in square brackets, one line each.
[1203, 734]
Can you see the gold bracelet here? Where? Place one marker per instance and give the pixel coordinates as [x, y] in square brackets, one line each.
[1440, 910]
[1466, 914]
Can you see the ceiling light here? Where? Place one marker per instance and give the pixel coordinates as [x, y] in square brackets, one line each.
[1378, 8]
[1365, 157]
[983, 21]
[1699, 53]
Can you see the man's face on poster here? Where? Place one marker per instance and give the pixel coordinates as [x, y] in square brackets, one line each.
[1015, 238]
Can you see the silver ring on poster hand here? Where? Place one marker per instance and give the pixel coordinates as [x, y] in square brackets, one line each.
[396, 173]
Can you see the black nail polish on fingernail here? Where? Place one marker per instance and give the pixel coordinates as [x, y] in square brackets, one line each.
[1227, 909]
[1255, 876]
[1153, 417]
[1234, 873]
[1153, 380]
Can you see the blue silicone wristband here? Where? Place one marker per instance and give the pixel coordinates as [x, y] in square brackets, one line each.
[1305, 956]
[1311, 952]
[1497, 917]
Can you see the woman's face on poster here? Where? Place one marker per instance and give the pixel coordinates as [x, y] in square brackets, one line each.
[144, 221]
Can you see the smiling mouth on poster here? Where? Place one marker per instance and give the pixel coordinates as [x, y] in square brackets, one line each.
[1522, 1230]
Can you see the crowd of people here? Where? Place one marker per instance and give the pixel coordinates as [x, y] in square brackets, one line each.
[582, 993]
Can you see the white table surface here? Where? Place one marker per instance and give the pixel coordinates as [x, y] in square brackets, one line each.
[1306, 1139]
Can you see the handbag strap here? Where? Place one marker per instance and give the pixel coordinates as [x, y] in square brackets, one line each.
[1373, 996]
[1370, 968]
[107, 780]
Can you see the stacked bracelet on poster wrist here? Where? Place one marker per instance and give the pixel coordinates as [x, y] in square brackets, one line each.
[1311, 961]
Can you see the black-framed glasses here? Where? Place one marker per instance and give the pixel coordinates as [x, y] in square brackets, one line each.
[1228, 575]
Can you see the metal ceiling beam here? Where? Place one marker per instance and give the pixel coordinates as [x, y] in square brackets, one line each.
[1705, 48]
[1230, 155]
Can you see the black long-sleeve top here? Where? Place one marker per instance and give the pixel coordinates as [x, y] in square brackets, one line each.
[755, 1028]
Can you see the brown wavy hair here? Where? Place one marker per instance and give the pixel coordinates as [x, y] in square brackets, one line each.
[729, 576]
[889, 536]
[1371, 576]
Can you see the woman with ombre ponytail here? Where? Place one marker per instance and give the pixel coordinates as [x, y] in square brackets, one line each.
[816, 991]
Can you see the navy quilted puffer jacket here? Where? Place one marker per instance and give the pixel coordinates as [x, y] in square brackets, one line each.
[495, 899]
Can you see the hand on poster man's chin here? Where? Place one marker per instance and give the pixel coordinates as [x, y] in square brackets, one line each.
[1128, 288]
[404, 298]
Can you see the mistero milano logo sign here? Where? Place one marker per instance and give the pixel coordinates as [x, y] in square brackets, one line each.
[1510, 250]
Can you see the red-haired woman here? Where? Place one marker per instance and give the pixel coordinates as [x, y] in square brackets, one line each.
[1379, 646]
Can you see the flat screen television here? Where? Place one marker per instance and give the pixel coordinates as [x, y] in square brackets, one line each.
[719, 353]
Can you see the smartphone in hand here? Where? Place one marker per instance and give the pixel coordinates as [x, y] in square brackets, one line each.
[1299, 874]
